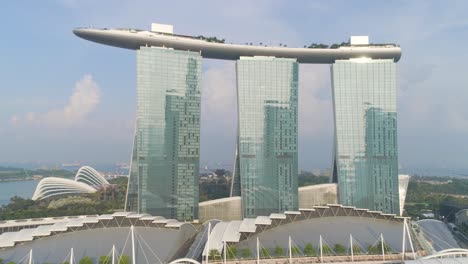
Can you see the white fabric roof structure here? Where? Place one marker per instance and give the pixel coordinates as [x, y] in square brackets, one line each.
[12, 224]
[42, 231]
[235, 231]
[10, 238]
[278, 216]
[231, 233]
[307, 209]
[403, 181]
[90, 220]
[48, 226]
[7, 239]
[59, 227]
[263, 220]
[137, 216]
[75, 223]
[149, 218]
[216, 237]
[106, 217]
[121, 214]
[248, 225]
[161, 221]
[87, 180]
[25, 235]
[174, 224]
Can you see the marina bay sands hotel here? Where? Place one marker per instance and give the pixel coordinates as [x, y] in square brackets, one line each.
[165, 160]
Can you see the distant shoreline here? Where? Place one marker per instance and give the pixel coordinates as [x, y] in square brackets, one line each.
[18, 179]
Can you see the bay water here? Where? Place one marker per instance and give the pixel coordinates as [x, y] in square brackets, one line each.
[24, 189]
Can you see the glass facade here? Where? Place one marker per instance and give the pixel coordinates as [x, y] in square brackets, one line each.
[266, 161]
[165, 162]
[365, 155]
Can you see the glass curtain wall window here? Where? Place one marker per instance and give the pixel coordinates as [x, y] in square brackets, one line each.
[165, 162]
[266, 160]
[366, 155]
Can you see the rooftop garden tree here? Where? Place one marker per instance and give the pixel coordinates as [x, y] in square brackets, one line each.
[246, 253]
[279, 251]
[309, 250]
[214, 254]
[86, 260]
[264, 253]
[327, 250]
[124, 259]
[104, 260]
[231, 252]
[339, 249]
[295, 251]
[357, 250]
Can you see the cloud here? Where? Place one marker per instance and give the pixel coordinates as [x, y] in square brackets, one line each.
[219, 95]
[14, 119]
[218, 114]
[411, 77]
[315, 104]
[83, 101]
[457, 120]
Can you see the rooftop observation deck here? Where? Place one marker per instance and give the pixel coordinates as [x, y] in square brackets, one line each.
[134, 39]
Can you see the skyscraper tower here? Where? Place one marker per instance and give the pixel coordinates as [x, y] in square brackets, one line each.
[165, 161]
[365, 151]
[164, 172]
[266, 161]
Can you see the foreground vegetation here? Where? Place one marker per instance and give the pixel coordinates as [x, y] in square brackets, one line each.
[308, 178]
[217, 188]
[438, 195]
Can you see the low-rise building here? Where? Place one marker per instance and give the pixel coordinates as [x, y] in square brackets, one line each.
[461, 217]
